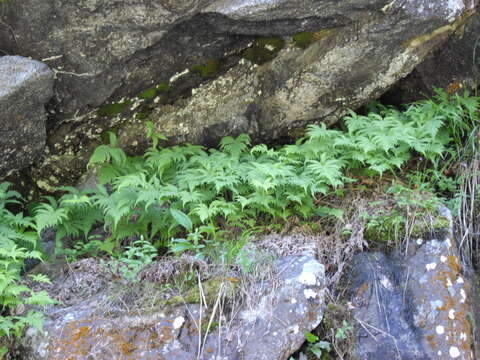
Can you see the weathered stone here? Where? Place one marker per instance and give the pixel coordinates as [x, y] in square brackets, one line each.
[453, 67]
[106, 319]
[111, 56]
[415, 306]
[25, 86]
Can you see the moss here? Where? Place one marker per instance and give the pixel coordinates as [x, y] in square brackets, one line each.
[264, 50]
[163, 87]
[209, 69]
[420, 227]
[113, 109]
[303, 39]
[141, 116]
[306, 38]
[383, 227]
[148, 94]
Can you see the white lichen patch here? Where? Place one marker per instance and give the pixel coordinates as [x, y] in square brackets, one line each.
[463, 336]
[179, 75]
[386, 283]
[443, 258]
[309, 273]
[448, 242]
[460, 280]
[431, 266]
[436, 304]
[451, 314]
[293, 301]
[454, 352]
[440, 330]
[309, 294]
[178, 322]
[463, 294]
[419, 241]
[296, 329]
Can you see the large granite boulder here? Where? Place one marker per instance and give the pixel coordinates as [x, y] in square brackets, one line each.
[106, 318]
[25, 87]
[115, 60]
[416, 305]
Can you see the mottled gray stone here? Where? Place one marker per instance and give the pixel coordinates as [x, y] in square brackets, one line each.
[90, 325]
[454, 67]
[107, 51]
[415, 306]
[25, 86]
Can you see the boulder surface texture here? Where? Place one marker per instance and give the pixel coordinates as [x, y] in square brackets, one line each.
[101, 318]
[112, 59]
[25, 86]
[415, 306]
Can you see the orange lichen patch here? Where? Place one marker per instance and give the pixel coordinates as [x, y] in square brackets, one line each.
[73, 343]
[166, 335]
[127, 349]
[83, 331]
[454, 264]
[432, 342]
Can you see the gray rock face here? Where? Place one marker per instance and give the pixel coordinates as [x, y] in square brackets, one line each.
[25, 86]
[454, 67]
[104, 319]
[103, 48]
[416, 306]
[108, 52]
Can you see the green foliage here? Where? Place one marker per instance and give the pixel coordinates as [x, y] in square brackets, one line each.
[344, 331]
[315, 346]
[183, 197]
[134, 259]
[18, 242]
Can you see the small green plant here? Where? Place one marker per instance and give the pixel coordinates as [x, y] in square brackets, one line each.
[133, 260]
[343, 332]
[315, 346]
[18, 242]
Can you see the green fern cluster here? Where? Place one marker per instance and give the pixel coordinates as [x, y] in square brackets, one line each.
[190, 190]
[17, 243]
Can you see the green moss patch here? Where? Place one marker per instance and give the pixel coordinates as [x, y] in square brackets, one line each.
[264, 50]
[303, 39]
[209, 69]
[148, 94]
[113, 109]
[141, 116]
[163, 87]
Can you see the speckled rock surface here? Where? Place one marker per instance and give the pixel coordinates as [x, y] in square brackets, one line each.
[105, 319]
[416, 306]
[25, 86]
[454, 67]
[108, 53]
